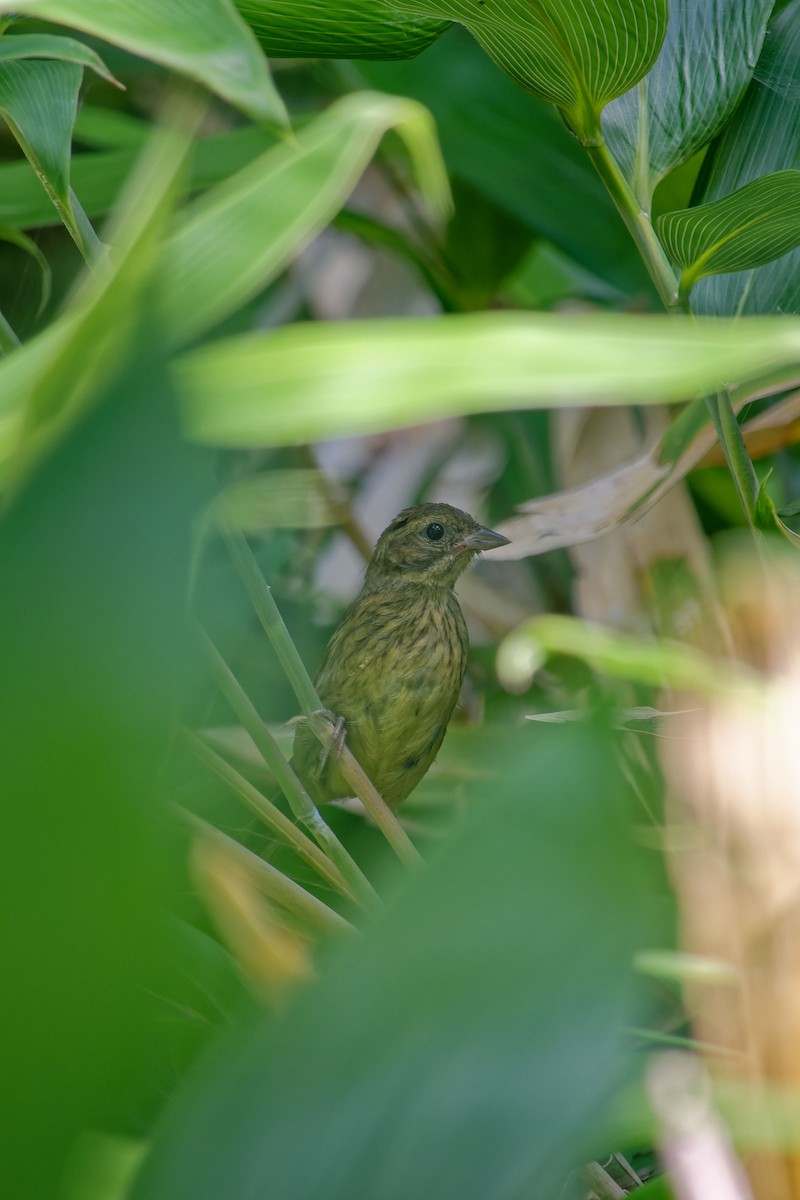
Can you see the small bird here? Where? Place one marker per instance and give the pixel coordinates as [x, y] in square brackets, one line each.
[394, 667]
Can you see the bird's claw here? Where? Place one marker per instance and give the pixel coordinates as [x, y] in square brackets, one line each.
[336, 737]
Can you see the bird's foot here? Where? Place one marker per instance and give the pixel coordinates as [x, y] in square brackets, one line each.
[336, 730]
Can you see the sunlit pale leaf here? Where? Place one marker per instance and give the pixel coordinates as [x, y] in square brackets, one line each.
[235, 239]
[308, 382]
[704, 66]
[348, 29]
[206, 40]
[66, 49]
[754, 225]
[578, 54]
[762, 137]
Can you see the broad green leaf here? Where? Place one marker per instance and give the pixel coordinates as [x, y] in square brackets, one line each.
[705, 64]
[577, 54]
[66, 49]
[235, 239]
[204, 39]
[516, 150]
[354, 29]
[429, 1059]
[754, 225]
[307, 382]
[762, 137]
[38, 100]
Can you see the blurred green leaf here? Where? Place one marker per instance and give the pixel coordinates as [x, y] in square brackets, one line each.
[84, 344]
[754, 225]
[516, 151]
[235, 239]
[576, 54]
[66, 49]
[705, 64]
[206, 40]
[429, 1059]
[97, 178]
[761, 138]
[92, 671]
[307, 382]
[346, 29]
[294, 499]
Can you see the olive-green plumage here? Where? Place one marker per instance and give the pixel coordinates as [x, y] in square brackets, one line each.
[394, 667]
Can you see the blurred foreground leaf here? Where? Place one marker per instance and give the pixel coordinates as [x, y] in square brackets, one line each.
[94, 557]
[430, 1059]
[307, 382]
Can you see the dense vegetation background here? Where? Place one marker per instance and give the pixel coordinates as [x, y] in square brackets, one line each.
[267, 275]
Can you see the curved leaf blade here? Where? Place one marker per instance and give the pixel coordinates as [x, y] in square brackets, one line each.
[756, 224]
[236, 238]
[762, 137]
[17, 238]
[577, 54]
[307, 382]
[65, 49]
[206, 40]
[705, 64]
[304, 29]
[39, 100]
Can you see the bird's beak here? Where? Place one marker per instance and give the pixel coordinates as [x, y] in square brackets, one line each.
[484, 539]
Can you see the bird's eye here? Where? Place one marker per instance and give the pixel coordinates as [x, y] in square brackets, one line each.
[434, 532]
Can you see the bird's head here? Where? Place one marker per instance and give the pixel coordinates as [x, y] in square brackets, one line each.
[430, 544]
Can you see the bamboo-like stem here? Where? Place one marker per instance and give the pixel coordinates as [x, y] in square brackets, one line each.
[298, 798]
[321, 724]
[267, 812]
[739, 462]
[274, 883]
[271, 620]
[639, 226]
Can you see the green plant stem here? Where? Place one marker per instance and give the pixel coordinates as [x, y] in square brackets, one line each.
[271, 620]
[272, 816]
[274, 883]
[639, 226]
[298, 798]
[732, 441]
